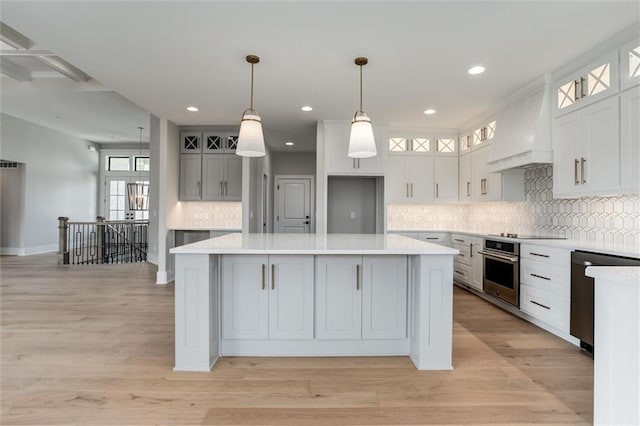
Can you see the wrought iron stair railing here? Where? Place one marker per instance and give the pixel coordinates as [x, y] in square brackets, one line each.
[121, 241]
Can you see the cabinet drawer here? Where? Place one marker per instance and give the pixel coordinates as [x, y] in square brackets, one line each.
[551, 278]
[433, 237]
[462, 273]
[545, 306]
[557, 256]
[465, 253]
[460, 239]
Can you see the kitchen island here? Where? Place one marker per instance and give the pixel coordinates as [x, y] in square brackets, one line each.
[313, 295]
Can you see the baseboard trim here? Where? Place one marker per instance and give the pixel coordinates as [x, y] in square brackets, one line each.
[15, 251]
[164, 277]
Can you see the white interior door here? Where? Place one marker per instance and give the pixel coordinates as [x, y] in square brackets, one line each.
[293, 204]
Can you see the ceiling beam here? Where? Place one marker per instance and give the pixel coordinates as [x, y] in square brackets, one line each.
[64, 68]
[6, 52]
[14, 71]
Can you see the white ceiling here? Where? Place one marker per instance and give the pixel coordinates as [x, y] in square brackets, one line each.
[164, 56]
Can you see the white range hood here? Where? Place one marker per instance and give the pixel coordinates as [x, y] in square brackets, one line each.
[523, 131]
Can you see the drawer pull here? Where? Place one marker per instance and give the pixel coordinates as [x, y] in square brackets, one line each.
[540, 304]
[461, 254]
[540, 276]
[458, 272]
[432, 238]
[457, 240]
[538, 254]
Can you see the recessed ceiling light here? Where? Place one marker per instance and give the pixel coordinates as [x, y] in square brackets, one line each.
[289, 143]
[475, 70]
[306, 108]
[430, 111]
[192, 109]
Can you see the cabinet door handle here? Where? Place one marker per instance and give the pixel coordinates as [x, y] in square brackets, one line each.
[582, 163]
[407, 185]
[538, 254]
[437, 191]
[457, 240]
[264, 267]
[273, 276]
[357, 277]
[470, 249]
[226, 188]
[221, 190]
[575, 171]
[358, 161]
[411, 189]
[540, 276]
[582, 84]
[576, 96]
[540, 304]
[468, 189]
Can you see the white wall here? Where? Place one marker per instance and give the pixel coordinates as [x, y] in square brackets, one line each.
[11, 209]
[293, 163]
[60, 179]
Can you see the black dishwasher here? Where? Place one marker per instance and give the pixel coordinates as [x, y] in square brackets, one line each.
[581, 325]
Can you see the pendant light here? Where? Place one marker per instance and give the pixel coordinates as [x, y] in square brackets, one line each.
[361, 141]
[138, 192]
[250, 138]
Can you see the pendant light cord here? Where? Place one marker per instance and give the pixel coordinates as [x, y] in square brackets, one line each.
[251, 86]
[360, 87]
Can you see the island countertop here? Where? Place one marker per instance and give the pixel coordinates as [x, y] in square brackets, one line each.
[313, 244]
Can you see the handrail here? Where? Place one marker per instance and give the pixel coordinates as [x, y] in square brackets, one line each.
[117, 241]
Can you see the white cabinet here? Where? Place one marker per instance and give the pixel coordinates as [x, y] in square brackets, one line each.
[267, 297]
[477, 264]
[630, 140]
[464, 177]
[384, 297]
[462, 267]
[591, 83]
[209, 168]
[630, 65]
[545, 284]
[190, 177]
[485, 186]
[586, 146]
[210, 177]
[336, 144]
[409, 179]
[361, 297]
[446, 179]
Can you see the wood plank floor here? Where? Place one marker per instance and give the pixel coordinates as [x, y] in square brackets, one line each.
[94, 345]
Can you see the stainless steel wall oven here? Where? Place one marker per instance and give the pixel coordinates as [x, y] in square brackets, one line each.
[501, 267]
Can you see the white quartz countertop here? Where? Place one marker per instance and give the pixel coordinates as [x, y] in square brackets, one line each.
[611, 248]
[313, 244]
[629, 275]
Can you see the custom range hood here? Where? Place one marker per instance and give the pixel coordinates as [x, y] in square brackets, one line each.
[523, 130]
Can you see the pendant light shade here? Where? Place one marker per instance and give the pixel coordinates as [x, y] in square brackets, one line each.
[361, 141]
[250, 138]
[138, 192]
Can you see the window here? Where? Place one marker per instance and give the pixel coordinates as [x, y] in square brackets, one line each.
[477, 136]
[598, 80]
[118, 164]
[117, 198]
[491, 130]
[566, 95]
[142, 164]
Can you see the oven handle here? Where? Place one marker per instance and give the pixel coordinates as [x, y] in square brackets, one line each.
[499, 257]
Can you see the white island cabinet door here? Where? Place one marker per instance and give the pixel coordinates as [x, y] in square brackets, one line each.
[291, 297]
[245, 297]
[338, 297]
[384, 297]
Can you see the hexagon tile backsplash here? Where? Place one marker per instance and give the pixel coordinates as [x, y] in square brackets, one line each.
[600, 219]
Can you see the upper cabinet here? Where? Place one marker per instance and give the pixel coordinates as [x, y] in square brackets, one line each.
[596, 144]
[209, 168]
[336, 144]
[630, 64]
[484, 133]
[591, 83]
[421, 168]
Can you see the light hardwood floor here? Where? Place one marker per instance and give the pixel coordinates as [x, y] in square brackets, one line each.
[94, 345]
